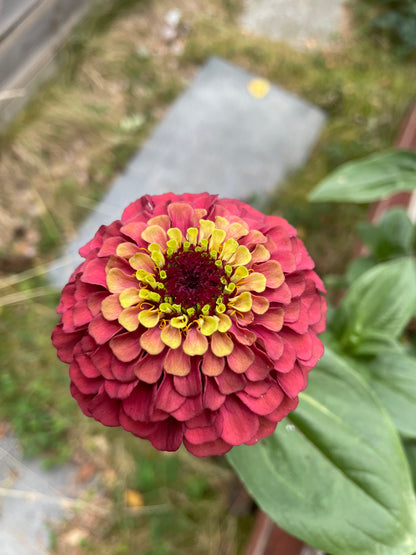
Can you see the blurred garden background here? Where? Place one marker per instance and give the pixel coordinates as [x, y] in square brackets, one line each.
[117, 74]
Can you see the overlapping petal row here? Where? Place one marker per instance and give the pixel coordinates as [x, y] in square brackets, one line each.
[192, 320]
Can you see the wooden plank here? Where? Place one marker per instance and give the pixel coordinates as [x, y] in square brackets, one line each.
[37, 29]
[406, 140]
[27, 53]
[12, 12]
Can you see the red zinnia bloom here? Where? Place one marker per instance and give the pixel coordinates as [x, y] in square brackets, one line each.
[192, 319]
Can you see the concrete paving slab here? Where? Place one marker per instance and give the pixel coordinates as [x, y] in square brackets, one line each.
[302, 23]
[229, 133]
[32, 499]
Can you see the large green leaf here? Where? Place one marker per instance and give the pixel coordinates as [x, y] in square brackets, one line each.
[410, 450]
[380, 301]
[370, 179]
[392, 376]
[334, 474]
[392, 236]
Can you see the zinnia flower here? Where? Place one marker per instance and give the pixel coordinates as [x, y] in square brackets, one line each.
[192, 320]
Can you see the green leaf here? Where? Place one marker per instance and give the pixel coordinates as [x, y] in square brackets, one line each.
[334, 473]
[373, 342]
[392, 236]
[393, 378]
[410, 450]
[358, 266]
[370, 179]
[381, 300]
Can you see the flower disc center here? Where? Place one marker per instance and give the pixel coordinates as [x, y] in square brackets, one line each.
[193, 278]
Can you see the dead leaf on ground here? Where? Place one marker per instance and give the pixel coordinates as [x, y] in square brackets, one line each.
[133, 498]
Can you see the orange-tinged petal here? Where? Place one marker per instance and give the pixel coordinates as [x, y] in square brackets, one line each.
[253, 282]
[236, 230]
[163, 221]
[221, 222]
[151, 341]
[142, 261]
[241, 257]
[111, 307]
[129, 297]
[221, 344]
[172, 337]
[242, 302]
[254, 237]
[260, 254]
[149, 318]
[240, 359]
[129, 318]
[127, 250]
[195, 343]
[117, 262]
[133, 230]
[272, 319]
[260, 304]
[212, 365]
[273, 273]
[199, 213]
[181, 214]
[155, 234]
[244, 318]
[177, 363]
[150, 367]
[117, 280]
[125, 346]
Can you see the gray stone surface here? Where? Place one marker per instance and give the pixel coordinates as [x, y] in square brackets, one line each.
[217, 137]
[32, 499]
[302, 23]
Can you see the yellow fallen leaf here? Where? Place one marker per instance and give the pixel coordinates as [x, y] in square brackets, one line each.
[258, 88]
[133, 498]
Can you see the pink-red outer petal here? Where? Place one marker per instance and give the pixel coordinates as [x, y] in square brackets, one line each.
[239, 423]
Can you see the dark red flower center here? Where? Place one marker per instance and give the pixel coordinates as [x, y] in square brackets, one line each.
[193, 278]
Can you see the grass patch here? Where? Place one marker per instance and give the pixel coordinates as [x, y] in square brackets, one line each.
[33, 383]
[183, 505]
